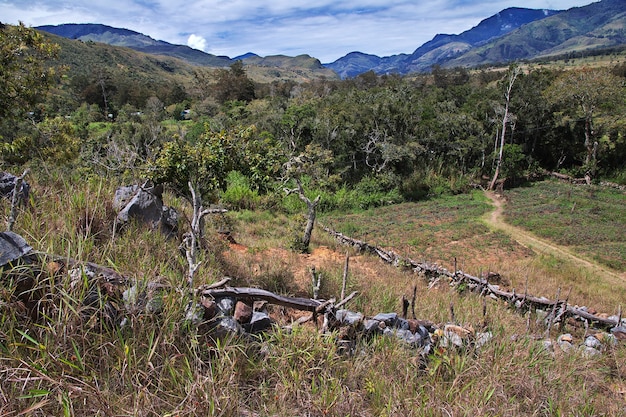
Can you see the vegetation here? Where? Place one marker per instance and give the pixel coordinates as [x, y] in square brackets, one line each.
[392, 159]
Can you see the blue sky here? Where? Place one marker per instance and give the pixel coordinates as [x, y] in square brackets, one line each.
[325, 29]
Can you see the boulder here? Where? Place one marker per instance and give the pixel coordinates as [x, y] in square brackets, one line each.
[7, 185]
[145, 204]
[12, 247]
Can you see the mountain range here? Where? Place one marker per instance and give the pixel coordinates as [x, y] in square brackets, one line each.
[511, 35]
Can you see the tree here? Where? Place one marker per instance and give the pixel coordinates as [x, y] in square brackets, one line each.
[24, 76]
[234, 84]
[507, 118]
[584, 95]
[310, 163]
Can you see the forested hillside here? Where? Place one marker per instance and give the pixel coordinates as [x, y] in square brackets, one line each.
[407, 136]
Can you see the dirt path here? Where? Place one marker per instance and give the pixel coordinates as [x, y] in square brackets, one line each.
[527, 239]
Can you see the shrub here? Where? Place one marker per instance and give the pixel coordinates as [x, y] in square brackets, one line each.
[238, 194]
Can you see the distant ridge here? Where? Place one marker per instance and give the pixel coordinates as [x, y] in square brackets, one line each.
[512, 34]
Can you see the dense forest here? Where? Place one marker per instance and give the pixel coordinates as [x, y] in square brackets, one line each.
[366, 141]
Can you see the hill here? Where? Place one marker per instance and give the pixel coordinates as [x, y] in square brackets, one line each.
[134, 40]
[442, 47]
[513, 34]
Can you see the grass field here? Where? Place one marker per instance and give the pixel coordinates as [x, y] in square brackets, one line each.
[159, 366]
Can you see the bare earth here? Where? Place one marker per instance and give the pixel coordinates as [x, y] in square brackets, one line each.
[494, 219]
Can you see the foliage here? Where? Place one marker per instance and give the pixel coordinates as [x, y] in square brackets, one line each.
[25, 76]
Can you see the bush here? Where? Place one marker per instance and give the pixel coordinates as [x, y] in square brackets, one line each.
[238, 194]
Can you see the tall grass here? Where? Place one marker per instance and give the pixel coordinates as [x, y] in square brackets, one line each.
[71, 361]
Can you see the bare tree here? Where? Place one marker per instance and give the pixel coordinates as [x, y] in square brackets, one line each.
[507, 118]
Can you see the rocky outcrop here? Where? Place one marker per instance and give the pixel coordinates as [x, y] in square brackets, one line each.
[144, 203]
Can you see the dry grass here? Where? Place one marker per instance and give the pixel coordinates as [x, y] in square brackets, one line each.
[69, 363]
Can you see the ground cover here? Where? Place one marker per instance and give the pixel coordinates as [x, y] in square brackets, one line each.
[67, 364]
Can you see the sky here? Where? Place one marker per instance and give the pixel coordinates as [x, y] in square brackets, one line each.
[324, 29]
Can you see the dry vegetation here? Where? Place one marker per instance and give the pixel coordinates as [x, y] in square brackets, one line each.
[66, 363]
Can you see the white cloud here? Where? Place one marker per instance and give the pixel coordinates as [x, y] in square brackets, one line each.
[196, 42]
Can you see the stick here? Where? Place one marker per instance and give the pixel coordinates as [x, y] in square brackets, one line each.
[413, 302]
[348, 298]
[345, 276]
[405, 306]
[556, 302]
[15, 200]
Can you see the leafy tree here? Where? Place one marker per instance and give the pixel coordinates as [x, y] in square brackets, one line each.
[313, 164]
[233, 84]
[53, 139]
[584, 95]
[24, 76]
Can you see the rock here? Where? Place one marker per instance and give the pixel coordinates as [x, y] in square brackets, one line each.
[402, 324]
[413, 340]
[458, 330]
[210, 308]
[450, 339]
[145, 204]
[226, 306]
[259, 322]
[7, 185]
[564, 341]
[619, 332]
[243, 312]
[482, 339]
[349, 318]
[589, 351]
[227, 326]
[593, 342]
[12, 247]
[388, 318]
[194, 314]
[371, 326]
[548, 345]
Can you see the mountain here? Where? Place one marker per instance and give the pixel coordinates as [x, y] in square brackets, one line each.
[580, 29]
[442, 47]
[134, 40]
[513, 34]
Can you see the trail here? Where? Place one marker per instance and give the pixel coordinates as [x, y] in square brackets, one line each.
[527, 239]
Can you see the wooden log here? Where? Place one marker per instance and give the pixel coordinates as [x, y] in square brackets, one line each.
[526, 299]
[305, 304]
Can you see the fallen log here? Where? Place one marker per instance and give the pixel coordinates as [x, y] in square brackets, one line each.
[306, 304]
[517, 301]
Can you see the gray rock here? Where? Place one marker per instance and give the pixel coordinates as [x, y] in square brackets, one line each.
[593, 342]
[371, 326]
[145, 204]
[260, 322]
[451, 339]
[589, 351]
[413, 340]
[482, 339]
[225, 326]
[548, 345]
[12, 247]
[388, 318]
[423, 332]
[349, 318]
[401, 324]
[194, 314]
[7, 185]
[565, 345]
[226, 305]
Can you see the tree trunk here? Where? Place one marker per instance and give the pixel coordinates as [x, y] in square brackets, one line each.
[513, 73]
